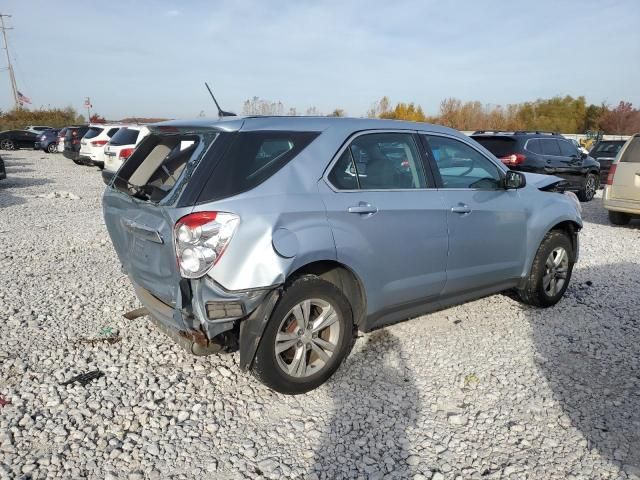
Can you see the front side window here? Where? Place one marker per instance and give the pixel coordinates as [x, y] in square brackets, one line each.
[461, 166]
[380, 161]
[567, 149]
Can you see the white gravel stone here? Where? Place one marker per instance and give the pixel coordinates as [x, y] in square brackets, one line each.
[486, 389]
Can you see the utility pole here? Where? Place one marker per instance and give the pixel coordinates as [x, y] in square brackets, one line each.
[12, 77]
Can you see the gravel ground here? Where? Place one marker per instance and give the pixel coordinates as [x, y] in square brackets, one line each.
[490, 389]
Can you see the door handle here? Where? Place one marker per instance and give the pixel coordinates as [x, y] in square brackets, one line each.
[364, 208]
[461, 208]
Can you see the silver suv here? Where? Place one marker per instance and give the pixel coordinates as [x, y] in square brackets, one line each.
[282, 237]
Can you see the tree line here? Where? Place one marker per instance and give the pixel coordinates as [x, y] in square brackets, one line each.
[562, 114]
[559, 114]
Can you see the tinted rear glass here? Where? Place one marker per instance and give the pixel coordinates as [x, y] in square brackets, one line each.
[93, 132]
[252, 158]
[500, 147]
[632, 152]
[607, 149]
[125, 136]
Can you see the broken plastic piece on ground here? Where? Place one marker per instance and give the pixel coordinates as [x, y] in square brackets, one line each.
[107, 332]
[4, 402]
[84, 378]
[138, 312]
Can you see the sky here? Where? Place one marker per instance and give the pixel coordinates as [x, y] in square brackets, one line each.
[150, 58]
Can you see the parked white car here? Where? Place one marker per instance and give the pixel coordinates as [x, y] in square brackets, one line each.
[93, 143]
[121, 147]
[622, 192]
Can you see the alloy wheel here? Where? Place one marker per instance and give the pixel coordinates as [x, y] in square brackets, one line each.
[52, 148]
[307, 338]
[6, 144]
[555, 271]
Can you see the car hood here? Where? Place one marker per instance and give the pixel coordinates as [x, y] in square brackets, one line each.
[540, 180]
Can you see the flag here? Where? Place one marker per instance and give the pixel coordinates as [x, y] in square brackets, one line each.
[23, 99]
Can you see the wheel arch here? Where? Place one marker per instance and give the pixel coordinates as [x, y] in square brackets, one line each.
[342, 277]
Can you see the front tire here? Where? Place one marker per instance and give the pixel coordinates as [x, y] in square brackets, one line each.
[309, 334]
[551, 271]
[619, 218]
[590, 188]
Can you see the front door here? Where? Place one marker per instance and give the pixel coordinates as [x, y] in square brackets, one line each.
[388, 222]
[487, 224]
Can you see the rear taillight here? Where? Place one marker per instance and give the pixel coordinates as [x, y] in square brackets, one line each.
[200, 240]
[612, 172]
[99, 143]
[125, 153]
[513, 159]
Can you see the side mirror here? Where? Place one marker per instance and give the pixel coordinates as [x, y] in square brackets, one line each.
[514, 179]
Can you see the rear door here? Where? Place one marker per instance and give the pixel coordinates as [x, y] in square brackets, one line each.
[388, 220]
[140, 213]
[626, 181]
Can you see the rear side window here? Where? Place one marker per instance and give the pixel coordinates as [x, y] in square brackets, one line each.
[534, 146]
[550, 146]
[93, 132]
[500, 147]
[632, 152]
[125, 136]
[112, 132]
[252, 158]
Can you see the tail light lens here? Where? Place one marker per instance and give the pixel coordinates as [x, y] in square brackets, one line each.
[125, 153]
[612, 172]
[513, 159]
[99, 143]
[200, 240]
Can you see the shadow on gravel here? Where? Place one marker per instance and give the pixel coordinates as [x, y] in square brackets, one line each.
[375, 402]
[9, 198]
[589, 350]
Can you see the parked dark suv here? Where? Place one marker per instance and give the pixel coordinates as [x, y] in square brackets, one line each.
[547, 153]
[72, 142]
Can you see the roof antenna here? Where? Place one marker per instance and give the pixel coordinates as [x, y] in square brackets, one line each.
[221, 113]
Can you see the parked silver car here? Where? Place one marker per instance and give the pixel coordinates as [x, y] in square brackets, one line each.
[282, 237]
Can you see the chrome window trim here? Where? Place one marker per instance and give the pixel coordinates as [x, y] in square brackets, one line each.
[349, 141]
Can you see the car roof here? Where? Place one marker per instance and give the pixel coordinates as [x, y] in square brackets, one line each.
[301, 123]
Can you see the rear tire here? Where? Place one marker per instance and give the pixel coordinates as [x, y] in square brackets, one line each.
[550, 273]
[590, 188]
[292, 359]
[7, 144]
[619, 218]
[52, 148]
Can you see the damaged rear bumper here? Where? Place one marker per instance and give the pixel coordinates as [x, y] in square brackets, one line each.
[203, 320]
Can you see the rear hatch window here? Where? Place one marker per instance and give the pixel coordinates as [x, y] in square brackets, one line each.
[499, 146]
[606, 149]
[93, 132]
[251, 159]
[161, 162]
[125, 136]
